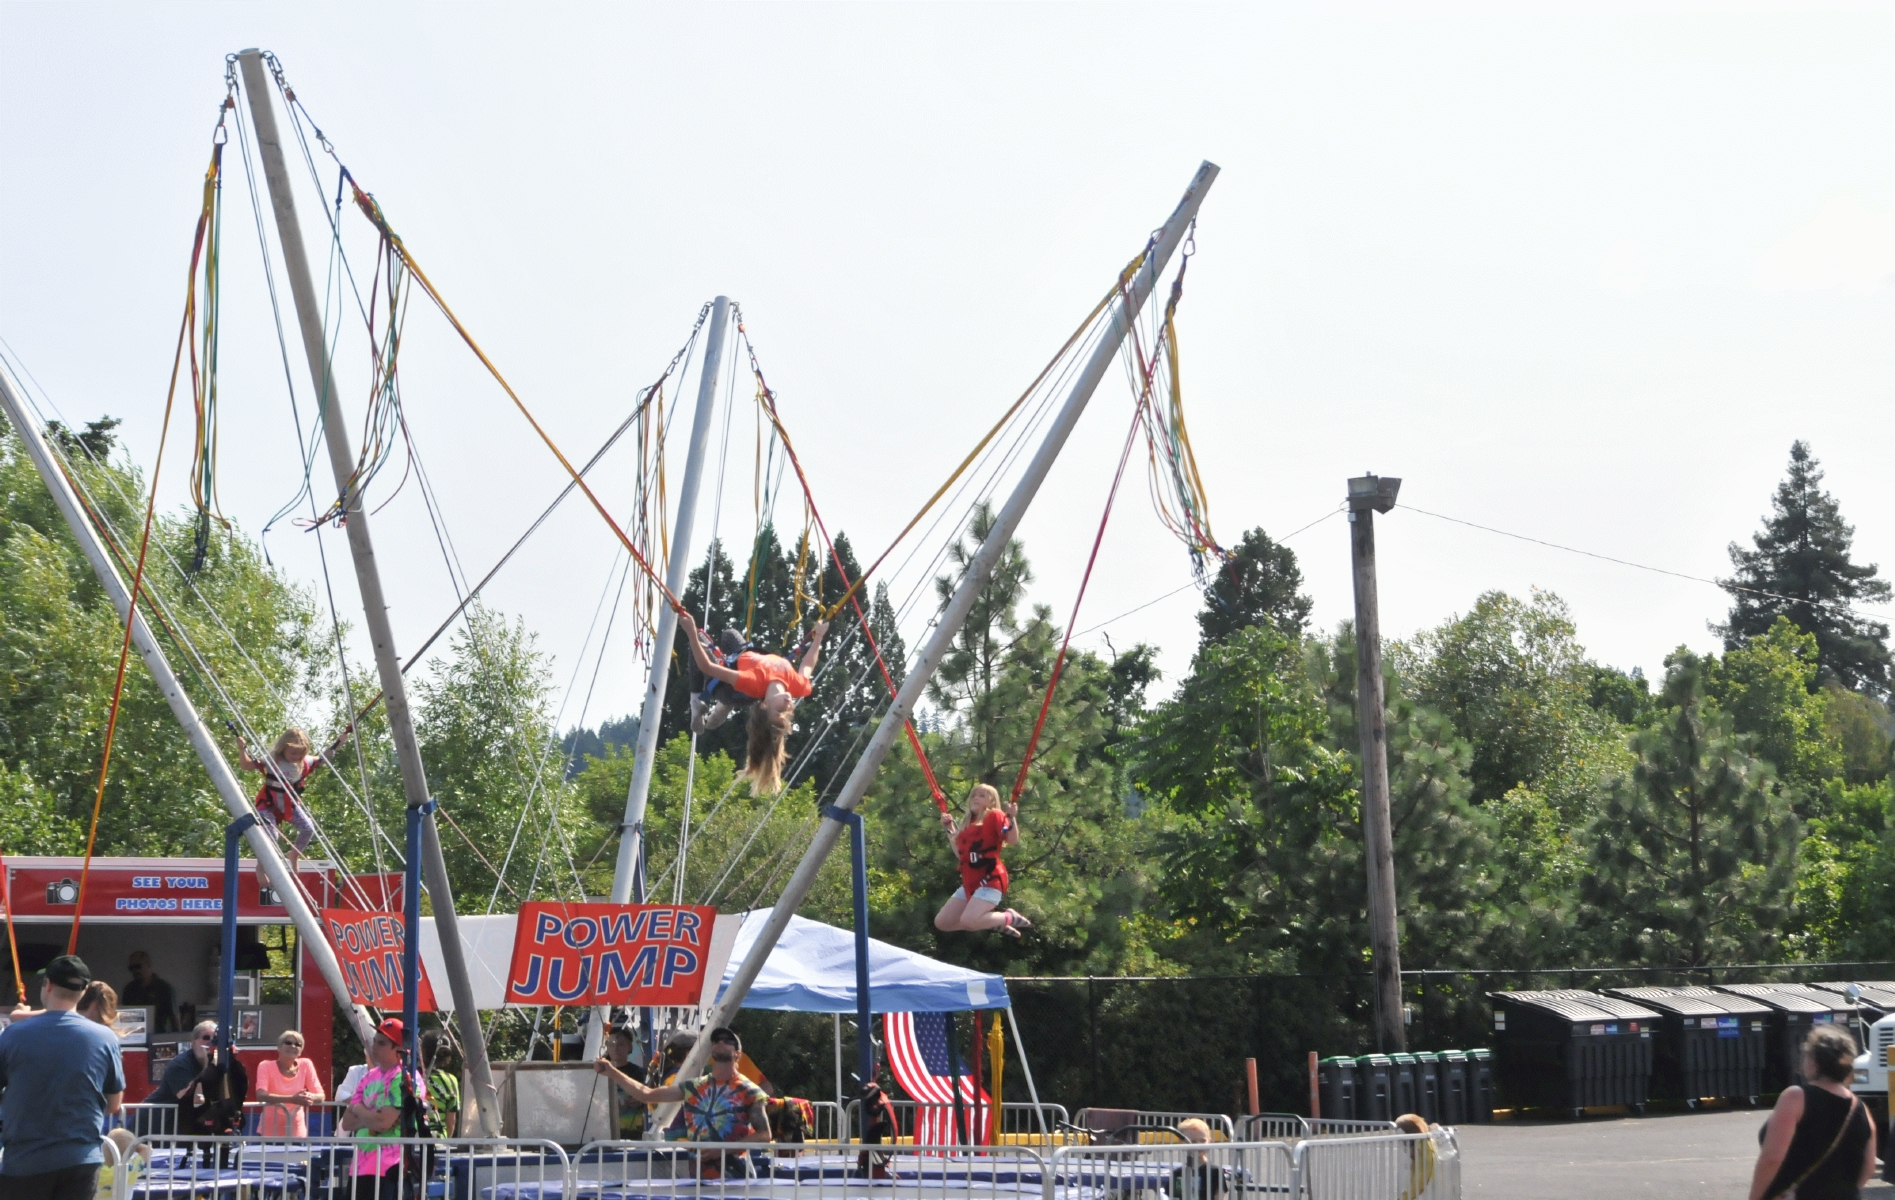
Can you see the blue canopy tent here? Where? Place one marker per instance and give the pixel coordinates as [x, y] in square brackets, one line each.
[813, 969]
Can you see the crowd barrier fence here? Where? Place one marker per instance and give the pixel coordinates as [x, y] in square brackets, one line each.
[1375, 1166]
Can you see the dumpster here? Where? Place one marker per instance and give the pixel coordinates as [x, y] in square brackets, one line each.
[1481, 1091]
[1873, 1002]
[1374, 1088]
[1428, 1086]
[1573, 1050]
[1404, 1097]
[1794, 1008]
[1708, 1043]
[1453, 1083]
[1335, 1083]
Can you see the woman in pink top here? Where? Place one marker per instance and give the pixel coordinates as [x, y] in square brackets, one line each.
[288, 1086]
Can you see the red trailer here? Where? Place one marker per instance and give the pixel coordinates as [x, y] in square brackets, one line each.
[172, 908]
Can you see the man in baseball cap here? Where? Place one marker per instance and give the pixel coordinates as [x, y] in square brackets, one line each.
[60, 1076]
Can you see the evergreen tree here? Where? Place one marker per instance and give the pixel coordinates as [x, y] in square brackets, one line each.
[1801, 569]
[1260, 579]
[1694, 855]
[967, 681]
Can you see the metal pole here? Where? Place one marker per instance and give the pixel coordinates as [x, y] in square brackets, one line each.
[1368, 495]
[227, 970]
[368, 578]
[411, 938]
[229, 790]
[859, 861]
[954, 1076]
[1138, 289]
[628, 877]
[1019, 1050]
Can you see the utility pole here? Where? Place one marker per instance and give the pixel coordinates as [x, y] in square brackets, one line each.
[1137, 289]
[628, 879]
[414, 780]
[229, 789]
[1368, 495]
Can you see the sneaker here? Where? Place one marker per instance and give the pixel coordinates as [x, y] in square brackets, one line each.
[697, 714]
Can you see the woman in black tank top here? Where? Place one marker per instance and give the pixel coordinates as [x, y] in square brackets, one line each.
[1819, 1144]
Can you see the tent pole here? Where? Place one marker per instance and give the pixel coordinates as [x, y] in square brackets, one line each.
[842, 1106]
[1027, 1070]
[1136, 289]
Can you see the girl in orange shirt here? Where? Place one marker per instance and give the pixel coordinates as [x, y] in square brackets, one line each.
[772, 684]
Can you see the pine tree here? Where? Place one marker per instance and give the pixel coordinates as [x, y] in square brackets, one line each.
[1801, 569]
[1260, 579]
[1694, 855]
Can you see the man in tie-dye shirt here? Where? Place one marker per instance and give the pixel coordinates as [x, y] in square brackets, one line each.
[722, 1106]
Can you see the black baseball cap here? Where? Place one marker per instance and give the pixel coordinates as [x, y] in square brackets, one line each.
[70, 972]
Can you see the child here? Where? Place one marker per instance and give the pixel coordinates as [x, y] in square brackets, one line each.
[286, 771]
[770, 683]
[988, 827]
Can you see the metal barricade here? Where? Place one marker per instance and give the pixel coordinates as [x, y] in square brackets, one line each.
[1178, 1170]
[733, 1171]
[1022, 1123]
[144, 1119]
[1326, 1127]
[1410, 1166]
[250, 1168]
[832, 1122]
[1124, 1125]
[1272, 1127]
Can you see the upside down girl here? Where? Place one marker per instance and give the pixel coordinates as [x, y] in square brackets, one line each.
[978, 840]
[769, 684]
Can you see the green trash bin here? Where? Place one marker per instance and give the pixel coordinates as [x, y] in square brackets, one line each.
[1456, 1103]
[1428, 1086]
[1480, 1086]
[1403, 1092]
[1374, 1088]
[1335, 1083]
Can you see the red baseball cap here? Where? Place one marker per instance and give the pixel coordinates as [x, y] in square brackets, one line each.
[391, 1029]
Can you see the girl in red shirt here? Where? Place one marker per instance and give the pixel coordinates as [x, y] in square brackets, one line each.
[773, 685]
[286, 770]
[977, 843]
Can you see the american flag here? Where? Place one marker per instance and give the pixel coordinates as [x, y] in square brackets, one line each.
[918, 1054]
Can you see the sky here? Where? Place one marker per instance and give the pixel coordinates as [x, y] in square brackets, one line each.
[1576, 274]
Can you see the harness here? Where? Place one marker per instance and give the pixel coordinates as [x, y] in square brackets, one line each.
[280, 793]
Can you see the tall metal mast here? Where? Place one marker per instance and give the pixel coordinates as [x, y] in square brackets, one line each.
[414, 778]
[629, 877]
[236, 799]
[1137, 290]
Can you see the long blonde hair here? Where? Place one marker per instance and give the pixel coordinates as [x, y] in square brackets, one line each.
[767, 749]
[969, 816]
[99, 995]
[291, 737]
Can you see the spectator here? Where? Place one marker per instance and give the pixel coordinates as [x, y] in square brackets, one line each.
[60, 1077]
[1819, 1143]
[98, 1004]
[374, 1114]
[352, 1079]
[1197, 1179]
[289, 1086]
[149, 991]
[208, 1087]
[443, 1068]
[1422, 1156]
[879, 1124]
[631, 1116]
[722, 1106]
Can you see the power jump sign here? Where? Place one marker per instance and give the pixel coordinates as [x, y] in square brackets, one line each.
[368, 946]
[643, 955]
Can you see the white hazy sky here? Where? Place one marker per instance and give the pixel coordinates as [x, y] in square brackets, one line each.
[1581, 274]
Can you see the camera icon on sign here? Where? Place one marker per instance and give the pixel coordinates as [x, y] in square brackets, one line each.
[66, 891]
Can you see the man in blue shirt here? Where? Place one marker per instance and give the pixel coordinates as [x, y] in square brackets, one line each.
[60, 1076]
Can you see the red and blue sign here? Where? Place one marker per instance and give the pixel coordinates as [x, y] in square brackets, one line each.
[644, 955]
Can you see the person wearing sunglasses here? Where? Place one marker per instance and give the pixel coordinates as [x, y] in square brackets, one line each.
[722, 1106]
[209, 1088]
[289, 1086]
[373, 1116]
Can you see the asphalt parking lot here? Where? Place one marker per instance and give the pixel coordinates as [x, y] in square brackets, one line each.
[1687, 1156]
